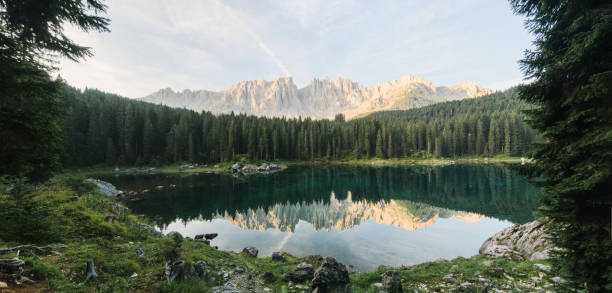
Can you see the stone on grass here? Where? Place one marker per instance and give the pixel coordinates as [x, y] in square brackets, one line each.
[331, 276]
[302, 273]
[277, 256]
[252, 251]
[391, 282]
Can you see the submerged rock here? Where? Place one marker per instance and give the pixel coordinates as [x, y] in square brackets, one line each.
[519, 242]
[332, 276]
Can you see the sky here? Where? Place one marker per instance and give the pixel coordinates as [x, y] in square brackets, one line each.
[214, 44]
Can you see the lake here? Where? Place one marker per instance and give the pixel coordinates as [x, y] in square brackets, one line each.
[362, 216]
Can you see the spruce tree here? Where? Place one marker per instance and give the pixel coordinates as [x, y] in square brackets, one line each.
[571, 68]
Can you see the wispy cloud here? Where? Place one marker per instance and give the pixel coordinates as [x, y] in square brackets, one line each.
[216, 43]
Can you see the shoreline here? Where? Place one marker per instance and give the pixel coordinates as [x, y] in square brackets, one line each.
[225, 167]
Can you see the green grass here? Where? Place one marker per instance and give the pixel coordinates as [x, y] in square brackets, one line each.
[80, 224]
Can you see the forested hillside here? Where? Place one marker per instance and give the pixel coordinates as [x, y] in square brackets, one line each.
[102, 128]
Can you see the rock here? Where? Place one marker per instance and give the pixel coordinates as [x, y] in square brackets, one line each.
[268, 276]
[273, 167]
[236, 167]
[453, 268]
[159, 187]
[249, 277]
[139, 252]
[152, 231]
[199, 236]
[239, 270]
[266, 289]
[539, 255]
[466, 287]
[205, 241]
[199, 270]
[302, 273]
[211, 236]
[134, 275]
[230, 287]
[519, 242]
[331, 276]
[74, 198]
[450, 278]
[495, 272]
[391, 282]
[558, 280]
[542, 267]
[377, 285]
[277, 256]
[501, 251]
[536, 280]
[252, 251]
[105, 187]
[173, 270]
[109, 219]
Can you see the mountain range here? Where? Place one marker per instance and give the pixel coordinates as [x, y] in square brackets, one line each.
[321, 98]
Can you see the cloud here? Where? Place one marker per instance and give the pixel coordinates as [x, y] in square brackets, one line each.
[213, 44]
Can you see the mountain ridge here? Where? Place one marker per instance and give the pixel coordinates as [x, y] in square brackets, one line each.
[320, 98]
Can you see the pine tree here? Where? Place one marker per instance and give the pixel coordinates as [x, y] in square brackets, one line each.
[379, 146]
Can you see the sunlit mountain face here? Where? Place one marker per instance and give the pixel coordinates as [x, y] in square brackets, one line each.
[363, 216]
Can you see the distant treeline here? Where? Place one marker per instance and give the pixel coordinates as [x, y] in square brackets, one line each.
[101, 128]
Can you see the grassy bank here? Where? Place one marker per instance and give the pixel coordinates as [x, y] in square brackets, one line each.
[70, 211]
[224, 167]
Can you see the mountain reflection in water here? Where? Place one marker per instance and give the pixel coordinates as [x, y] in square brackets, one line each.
[363, 216]
[344, 214]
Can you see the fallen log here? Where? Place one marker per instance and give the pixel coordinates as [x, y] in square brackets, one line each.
[33, 248]
[12, 266]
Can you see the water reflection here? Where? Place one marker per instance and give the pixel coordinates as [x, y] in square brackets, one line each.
[362, 216]
[343, 214]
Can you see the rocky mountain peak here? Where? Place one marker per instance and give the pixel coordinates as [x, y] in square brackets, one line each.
[321, 98]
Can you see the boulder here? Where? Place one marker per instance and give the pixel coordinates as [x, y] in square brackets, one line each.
[273, 167]
[236, 167]
[211, 236]
[105, 187]
[263, 167]
[519, 242]
[139, 252]
[268, 276]
[230, 287]
[173, 270]
[277, 256]
[199, 236]
[331, 276]
[450, 278]
[542, 267]
[252, 251]
[199, 270]
[391, 282]
[302, 273]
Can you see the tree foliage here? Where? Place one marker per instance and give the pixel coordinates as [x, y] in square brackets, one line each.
[571, 66]
[31, 34]
[105, 128]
